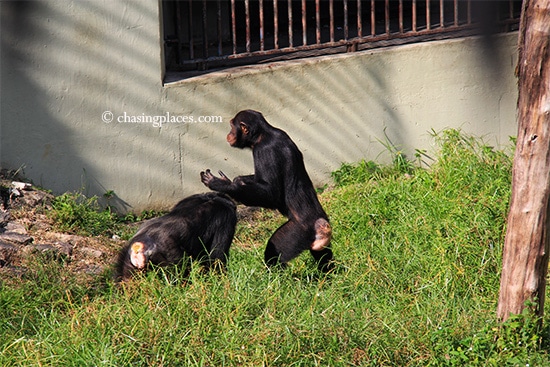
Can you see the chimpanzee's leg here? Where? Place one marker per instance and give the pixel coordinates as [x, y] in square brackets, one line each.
[221, 239]
[220, 249]
[288, 241]
[323, 258]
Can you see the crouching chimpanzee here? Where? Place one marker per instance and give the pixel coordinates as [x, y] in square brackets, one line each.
[280, 181]
[200, 227]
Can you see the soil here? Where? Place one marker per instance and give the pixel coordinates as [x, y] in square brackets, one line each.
[27, 233]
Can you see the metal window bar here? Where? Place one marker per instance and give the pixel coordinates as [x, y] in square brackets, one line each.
[428, 18]
[401, 29]
[346, 28]
[210, 34]
[317, 22]
[387, 16]
[414, 16]
[331, 15]
[441, 13]
[233, 27]
[290, 26]
[304, 23]
[191, 37]
[204, 32]
[247, 17]
[359, 21]
[262, 27]
[275, 24]
[372, 18]
[219, 27]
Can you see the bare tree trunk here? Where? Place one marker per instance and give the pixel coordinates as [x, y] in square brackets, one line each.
[525, 257]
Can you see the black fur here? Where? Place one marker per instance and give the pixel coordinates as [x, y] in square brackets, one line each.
[280, 181]
[200, 227]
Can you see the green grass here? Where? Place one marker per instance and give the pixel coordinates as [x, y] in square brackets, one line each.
[418, 253]
[74, 212]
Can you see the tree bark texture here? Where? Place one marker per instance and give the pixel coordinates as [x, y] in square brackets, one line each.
[525, 255]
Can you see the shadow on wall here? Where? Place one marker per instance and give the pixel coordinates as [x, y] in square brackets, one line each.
[63, 65]
[31, 136]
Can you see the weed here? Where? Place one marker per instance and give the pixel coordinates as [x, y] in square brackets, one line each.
[361, 172]
[365, 171]
[517, 342]
[74, 212]
[144, 215]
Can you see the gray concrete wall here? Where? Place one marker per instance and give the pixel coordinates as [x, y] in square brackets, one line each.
[64, 64]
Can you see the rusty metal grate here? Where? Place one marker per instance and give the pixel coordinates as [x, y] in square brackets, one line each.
[202, 35]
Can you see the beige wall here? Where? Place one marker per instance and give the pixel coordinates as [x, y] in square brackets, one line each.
[63, 64]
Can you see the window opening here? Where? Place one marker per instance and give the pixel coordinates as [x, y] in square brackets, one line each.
[205, 35]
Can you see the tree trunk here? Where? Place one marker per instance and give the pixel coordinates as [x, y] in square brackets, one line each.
[525, 255]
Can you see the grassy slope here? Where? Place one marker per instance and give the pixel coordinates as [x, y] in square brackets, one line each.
[418, 273]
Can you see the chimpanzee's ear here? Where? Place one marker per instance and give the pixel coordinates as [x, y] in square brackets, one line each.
[244, 128]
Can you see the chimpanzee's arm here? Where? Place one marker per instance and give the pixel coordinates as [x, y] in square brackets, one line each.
[245, 189]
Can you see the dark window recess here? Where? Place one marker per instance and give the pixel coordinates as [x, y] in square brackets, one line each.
[205, 35]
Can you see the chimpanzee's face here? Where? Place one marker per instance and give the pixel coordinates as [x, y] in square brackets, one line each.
[232, 136]
[239, 137]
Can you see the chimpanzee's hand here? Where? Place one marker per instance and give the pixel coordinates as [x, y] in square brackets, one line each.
[213, 182]
[207, 177]
[224, 177]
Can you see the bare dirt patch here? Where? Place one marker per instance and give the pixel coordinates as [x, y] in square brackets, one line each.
[27, 232]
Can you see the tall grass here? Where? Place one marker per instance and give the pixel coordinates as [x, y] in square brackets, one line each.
[416, 284]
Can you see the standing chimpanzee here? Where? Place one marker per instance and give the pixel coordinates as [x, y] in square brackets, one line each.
[280, 181]
[200, 226]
